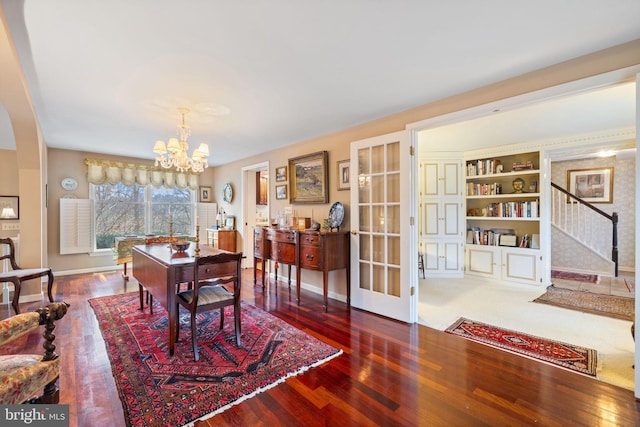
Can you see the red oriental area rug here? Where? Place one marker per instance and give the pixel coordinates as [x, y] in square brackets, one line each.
[157, 390]
[574, 358]
[578, 277]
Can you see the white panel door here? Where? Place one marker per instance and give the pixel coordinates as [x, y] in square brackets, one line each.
[381, 249]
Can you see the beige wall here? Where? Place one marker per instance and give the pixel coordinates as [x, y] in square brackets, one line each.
[30, 158]
[8, 183]
[64, 163]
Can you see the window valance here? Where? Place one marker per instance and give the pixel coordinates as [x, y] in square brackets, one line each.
[104, 171]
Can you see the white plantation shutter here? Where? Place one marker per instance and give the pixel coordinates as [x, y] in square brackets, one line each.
[75, 226]
[206, 218]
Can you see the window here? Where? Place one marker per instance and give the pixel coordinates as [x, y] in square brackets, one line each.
[122, 210]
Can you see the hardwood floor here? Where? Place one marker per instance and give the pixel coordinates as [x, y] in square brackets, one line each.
[391, 374]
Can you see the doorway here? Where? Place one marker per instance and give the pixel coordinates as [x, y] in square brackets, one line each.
[255, 205]
[443, 300]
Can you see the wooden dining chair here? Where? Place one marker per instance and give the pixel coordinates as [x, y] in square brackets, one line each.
[208, 293]
[17, 275]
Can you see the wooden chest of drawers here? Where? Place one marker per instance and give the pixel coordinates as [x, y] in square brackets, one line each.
[324, 252]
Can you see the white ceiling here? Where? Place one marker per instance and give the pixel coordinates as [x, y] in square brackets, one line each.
[597, 110]
[108, 76]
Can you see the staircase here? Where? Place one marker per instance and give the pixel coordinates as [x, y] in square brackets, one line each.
[583, 222]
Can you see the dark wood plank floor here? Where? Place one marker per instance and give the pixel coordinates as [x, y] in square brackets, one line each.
[391, 374]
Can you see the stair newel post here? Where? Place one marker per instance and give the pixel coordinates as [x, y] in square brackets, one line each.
[614, 252]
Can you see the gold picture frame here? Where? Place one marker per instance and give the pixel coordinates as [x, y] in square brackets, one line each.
[593, 185]
[344, 175]
[309, 178]
[281, 174]
[281, 192]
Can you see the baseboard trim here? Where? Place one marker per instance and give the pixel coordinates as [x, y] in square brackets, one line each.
[311, 288]
[88, 270]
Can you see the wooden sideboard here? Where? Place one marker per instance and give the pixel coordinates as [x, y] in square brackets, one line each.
[311, 250]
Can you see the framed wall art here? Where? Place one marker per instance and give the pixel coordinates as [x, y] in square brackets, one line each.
[205, 194]
[281, 192]
[344, 176]
[281, 174]
[308, 178]
[591, 185]
[9, 207]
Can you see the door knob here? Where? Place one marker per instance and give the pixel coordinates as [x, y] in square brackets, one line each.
[354, 232]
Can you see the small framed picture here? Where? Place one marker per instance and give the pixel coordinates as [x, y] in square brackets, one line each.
[9, 207]
[281, 192]
[205, 194]
[281, 174]
[344, 176]
[591, 185]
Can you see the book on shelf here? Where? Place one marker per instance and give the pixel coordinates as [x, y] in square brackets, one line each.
[526, 209]
[488, 237]
[520, 166]
[479, 189]
[483, 167]
[508, 240]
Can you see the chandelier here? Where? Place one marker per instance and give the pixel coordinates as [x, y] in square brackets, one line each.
[178, 156]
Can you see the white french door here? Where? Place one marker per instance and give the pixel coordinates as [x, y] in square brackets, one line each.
[383, 239]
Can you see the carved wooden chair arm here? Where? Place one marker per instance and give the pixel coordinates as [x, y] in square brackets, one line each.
[48, 316]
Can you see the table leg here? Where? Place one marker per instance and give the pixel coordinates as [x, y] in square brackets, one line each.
[275, 266]
[255, 269]
[124, 275]
[298, 285]
[172, 310]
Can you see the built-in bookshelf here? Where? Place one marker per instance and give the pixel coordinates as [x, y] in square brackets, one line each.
[503, 199]
[503, 217]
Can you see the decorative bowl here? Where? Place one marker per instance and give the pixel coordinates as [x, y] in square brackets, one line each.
[180, 246]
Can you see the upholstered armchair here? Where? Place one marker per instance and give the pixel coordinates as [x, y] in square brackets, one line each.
[30, 378]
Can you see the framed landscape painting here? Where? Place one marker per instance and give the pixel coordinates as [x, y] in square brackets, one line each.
[308, 178]
[281, 192]
[281, 174]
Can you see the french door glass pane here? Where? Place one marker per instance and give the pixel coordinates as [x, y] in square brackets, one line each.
[378, 249]
[365, 275]
[393, 157]
[365, 220]
[378, 219]
[377, 189]
[394, 281]
[379, 278]
[393, 188]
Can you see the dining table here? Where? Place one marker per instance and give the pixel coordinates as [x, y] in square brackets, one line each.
[160, 268]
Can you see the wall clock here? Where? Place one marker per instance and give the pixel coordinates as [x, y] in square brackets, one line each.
[69, 184]
[227, 193]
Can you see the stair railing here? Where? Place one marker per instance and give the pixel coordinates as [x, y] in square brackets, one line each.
[571, 213]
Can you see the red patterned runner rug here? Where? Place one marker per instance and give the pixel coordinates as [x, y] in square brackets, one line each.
[156, 390]
[578, 277]
[572, 357]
